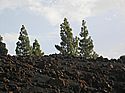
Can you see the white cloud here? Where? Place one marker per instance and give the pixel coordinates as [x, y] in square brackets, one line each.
[10, 37]
[45, 10]
[105, 5]
[12, 4]
[55, 10]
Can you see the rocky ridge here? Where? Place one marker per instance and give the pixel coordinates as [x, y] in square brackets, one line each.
[59, 74]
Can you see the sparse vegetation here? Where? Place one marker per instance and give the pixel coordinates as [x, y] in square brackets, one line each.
[3, 49]
[68, 44]
[86, 43]
[36, 51]
[23, 47]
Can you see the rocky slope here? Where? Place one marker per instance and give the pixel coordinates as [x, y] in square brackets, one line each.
[58, 74]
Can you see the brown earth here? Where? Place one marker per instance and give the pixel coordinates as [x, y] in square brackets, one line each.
[59, 74]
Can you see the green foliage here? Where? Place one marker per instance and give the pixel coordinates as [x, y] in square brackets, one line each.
[86, 43]
[36, 49]
[1, 38]
[75, 46]
[67, 44]
[94, 55]
[3, 50]
[23, 47]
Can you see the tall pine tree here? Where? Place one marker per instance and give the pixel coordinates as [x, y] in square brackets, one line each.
[3, 49]
[67, 44]
[23, 47]
[1, 38]
[75, 46]
[36, 51]
[86, 43]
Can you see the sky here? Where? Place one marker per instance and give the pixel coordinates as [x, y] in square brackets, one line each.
[105, 20]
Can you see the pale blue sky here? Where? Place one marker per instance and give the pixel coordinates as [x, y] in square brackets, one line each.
[105, 21]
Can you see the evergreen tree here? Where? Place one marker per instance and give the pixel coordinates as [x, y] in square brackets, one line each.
[36, 49]
[23, 47]
[1, 38]
[86, 43]
[94, 55]
[67, 44]
[75, 46]
[3, 49]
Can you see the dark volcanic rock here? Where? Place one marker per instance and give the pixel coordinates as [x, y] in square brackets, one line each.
[59, 74]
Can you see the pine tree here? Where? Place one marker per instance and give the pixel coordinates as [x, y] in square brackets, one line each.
[3, 49]
[23, 47]
[66, 45]
[86, 43]
[94, 55]
[36, 49]
[1, 38]
[75, 46]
